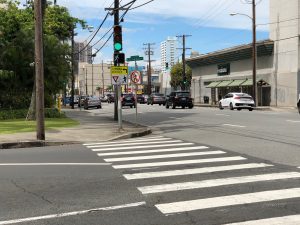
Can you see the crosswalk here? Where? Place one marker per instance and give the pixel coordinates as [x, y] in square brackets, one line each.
[191, 178]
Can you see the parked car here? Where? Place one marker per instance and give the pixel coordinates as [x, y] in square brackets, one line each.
[67, 100]
[156, 98]
[237, 101]
[104, 98]
[141, 99]
[146, 98]
[298, 104]
[81, 100]
[92, 102]
[110, 98]
[179, 98]
[128, 100]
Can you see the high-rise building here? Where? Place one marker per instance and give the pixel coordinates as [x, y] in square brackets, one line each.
[169, 53]
[84, 54]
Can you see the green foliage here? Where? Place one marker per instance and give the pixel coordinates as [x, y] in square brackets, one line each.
[17, 52]
[177, 78]
[9, 114]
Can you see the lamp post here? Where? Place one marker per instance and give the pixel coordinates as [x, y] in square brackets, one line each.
[253, 19]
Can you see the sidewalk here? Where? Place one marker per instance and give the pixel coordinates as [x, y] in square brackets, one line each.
[93, 127]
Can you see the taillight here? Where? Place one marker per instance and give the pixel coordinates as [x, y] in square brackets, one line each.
[237, 97]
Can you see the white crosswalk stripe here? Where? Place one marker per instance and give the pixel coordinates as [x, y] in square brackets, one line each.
[153, 151]
[163, 156]
[130, 144]
[179, 162]
[284, 220]
[185, 176]
[216, 182]
[231, 200]
[141, 147]
[183, 172]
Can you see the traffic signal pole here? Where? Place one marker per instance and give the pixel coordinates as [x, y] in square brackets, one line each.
[116, 23]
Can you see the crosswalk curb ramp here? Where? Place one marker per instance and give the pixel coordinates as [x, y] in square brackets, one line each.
[174, 168]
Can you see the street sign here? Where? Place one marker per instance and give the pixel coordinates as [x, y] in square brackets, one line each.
[119, 79]
[134, 58]
[119, 70]
[135, 77]
[119, 58]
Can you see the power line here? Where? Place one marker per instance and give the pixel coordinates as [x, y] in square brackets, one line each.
[141, 5]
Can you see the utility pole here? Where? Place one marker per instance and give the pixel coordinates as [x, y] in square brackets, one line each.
[102, 79]
[254, 51]
[184, 78]
[149, 53]
[86, 80]
[72, 70]
[39, 71]
[116, 23]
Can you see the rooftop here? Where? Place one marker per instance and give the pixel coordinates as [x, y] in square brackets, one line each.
[240, 52]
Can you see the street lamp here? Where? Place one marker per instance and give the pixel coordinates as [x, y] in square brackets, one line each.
[253, 19]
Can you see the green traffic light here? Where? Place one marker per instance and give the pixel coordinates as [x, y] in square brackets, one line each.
[118, 46]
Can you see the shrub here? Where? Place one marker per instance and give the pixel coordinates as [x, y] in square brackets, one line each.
[7, 114]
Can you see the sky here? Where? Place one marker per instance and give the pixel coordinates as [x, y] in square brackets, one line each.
[207, 21]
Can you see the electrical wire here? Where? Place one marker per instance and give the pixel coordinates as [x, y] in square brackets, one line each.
[141, 5]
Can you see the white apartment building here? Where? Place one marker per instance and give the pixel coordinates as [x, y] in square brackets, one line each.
[169, 52]
[169, 55]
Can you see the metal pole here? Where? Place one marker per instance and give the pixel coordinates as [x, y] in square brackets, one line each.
[149, 71]
[39, 71]
[86, 84]
[116, 22]
[72, 71]
[102, 80]
[183, 64]
[119, 107]
[93, 76]
[136, 88]
[254, 52]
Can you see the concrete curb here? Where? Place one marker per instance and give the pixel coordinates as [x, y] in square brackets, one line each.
[30, 144]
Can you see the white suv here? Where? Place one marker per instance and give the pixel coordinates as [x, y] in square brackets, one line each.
[237, 101]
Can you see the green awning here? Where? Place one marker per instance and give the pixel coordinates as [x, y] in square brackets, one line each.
[224, 83]
[213, 84]
[248, 82]
[236, 83]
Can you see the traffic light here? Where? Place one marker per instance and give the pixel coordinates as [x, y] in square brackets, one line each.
[167, 65]
[118, 38]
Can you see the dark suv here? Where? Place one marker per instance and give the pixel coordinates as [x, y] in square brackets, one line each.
[179, 98]
[128, 100]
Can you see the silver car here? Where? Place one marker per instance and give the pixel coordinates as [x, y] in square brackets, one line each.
[92, 102]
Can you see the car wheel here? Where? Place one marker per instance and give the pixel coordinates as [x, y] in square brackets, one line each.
[183, 107]
[167, 106]
[159, 104]
[147, 103]
[173, 106]
[151, 103]
[250, 109]
[231, 106]
[239, 109]
[164, 104]
[220, 106]
[191, 106]
[131, 106]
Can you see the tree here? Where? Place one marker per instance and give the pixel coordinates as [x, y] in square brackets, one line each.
[177, 78]
[17, 51]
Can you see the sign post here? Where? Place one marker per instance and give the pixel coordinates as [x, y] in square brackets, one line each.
[135, 77]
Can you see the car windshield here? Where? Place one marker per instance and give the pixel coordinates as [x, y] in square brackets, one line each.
[242, 95]
[160, 95]
[183, 94]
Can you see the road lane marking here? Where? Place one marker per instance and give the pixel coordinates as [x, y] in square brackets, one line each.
[284, 220]
[140, 147]
[231, 200]
[54, 164]
[293, 121]
[181, 162]
[232, 125]
[216, 182]
[153, 151]
[169, 173]
[163, 156]
[130, 144]
[136, 140]
[222, 114]
[75, 213]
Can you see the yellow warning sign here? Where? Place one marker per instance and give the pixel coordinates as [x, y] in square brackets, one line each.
[119, 70]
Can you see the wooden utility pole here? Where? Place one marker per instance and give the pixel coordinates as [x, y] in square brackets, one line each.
[184, 79]
[39, 71]
[254, 51]
[149, 53]
[72, 70]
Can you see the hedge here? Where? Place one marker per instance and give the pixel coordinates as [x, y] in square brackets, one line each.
[8, 114]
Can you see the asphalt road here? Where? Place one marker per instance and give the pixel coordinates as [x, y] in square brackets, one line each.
[202, 166]
[268, 135]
